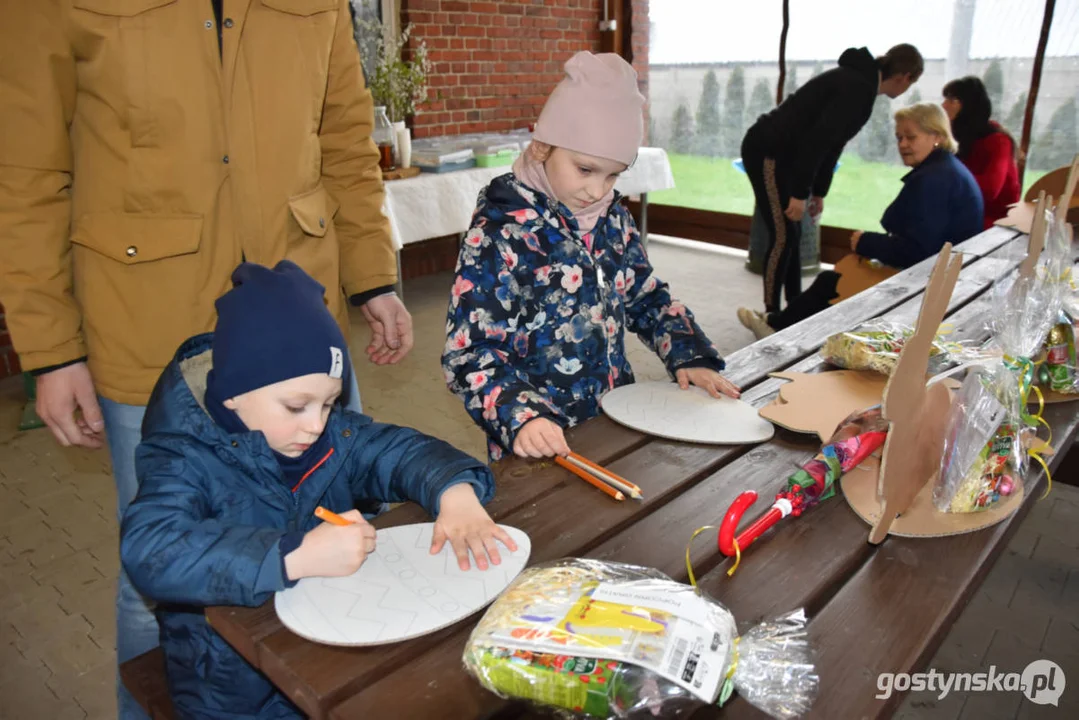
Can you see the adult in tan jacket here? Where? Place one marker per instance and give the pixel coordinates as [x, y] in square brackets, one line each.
[147, 147]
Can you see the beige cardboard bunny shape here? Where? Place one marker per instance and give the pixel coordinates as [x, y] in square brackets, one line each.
[901, 501]
[816, 403]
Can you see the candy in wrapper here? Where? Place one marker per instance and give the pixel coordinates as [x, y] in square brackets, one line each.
[876, 345]
[982, 450]
[608, 640]
[1060, 373]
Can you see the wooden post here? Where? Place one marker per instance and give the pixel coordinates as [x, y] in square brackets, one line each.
[1035, 82]
[611, 38]
[783, 51]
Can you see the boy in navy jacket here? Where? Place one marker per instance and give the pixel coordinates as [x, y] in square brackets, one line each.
[244, 436]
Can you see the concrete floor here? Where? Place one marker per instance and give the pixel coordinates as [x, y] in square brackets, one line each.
[58, 559]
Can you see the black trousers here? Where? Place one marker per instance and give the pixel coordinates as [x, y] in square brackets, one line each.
[816, 298]
[772, 191]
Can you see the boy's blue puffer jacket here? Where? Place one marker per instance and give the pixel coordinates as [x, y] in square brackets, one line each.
[212, 508]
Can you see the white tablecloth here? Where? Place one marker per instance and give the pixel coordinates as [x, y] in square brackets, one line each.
[432, 204]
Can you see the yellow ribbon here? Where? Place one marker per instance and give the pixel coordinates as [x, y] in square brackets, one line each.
[737, 558]
[1048, 475]
[734, 662]
[1034, 453]
[689, 563]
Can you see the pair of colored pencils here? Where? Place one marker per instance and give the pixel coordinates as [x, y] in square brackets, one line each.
[599, 477]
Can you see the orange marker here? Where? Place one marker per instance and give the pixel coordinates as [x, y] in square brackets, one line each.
[331, 517]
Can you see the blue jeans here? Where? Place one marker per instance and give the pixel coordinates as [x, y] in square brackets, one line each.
[136, 625]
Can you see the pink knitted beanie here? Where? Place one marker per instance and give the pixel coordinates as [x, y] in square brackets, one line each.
[596, 109]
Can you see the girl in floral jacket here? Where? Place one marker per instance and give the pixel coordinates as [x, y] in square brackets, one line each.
[552, 274]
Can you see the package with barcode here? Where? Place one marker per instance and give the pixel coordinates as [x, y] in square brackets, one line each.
[608, 640]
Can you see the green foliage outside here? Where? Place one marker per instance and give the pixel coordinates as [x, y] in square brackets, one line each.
[681, 140]
[860, 191]
[1013, 123]
[734, 111]
[1054, 146]
[761, 101]
[994, 86]
[709, 140]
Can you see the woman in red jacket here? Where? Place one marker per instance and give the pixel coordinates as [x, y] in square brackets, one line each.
[985, 147]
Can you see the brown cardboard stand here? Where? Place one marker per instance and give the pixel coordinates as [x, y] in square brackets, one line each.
[856, 274]
[1021, 215]
[817, 403]
[895, 497]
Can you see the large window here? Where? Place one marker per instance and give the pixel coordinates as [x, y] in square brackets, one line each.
[714, 67]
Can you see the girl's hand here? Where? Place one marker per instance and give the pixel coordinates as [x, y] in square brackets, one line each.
[854, 238]
[332, 550]
[707, 379]
[540, 438]
[464, 522]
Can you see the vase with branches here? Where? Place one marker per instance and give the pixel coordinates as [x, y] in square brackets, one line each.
[398, 84]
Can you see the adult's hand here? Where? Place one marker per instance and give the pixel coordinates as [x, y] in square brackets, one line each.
[67, 402]
[391, 329]
[795, 209]
[816, 206]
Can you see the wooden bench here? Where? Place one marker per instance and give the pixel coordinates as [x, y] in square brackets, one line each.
[144, 678]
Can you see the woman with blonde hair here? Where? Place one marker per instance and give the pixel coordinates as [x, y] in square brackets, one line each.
[940, 203]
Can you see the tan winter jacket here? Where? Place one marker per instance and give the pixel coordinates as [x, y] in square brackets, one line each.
[138, 167]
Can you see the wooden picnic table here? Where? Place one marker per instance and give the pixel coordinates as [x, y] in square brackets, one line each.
[872, 610]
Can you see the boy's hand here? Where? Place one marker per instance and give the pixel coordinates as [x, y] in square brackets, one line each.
[707, 379]
[540, 438]
[464, 522]
[332, 550]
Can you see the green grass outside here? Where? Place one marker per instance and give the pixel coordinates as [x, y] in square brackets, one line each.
[859, 194]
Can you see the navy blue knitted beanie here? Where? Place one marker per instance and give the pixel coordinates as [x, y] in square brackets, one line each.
[273, 326]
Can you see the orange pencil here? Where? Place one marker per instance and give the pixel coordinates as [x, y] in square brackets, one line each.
[589, 478]
[331, 517]
[616, 480]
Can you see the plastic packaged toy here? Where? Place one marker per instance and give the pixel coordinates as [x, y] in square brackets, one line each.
[876, 345]
[608, 640]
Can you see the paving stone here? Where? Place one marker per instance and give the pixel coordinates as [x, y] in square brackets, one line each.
[96, 603]
[37, 622]
[27, 532]
[71, 575]
[1062, 637]
[49, 551]
[33, 699]
[71, 653]
[95, 692]
[24, 591]
[991, 706]
[928, 706]
[15, 668]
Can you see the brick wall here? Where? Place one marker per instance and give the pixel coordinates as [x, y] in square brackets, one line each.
[9, 361]
[494, 63]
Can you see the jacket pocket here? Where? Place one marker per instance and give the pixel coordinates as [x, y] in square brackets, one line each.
[300, 7]
[143, 288]
[131, 239]
[313, 210]
[121, 8]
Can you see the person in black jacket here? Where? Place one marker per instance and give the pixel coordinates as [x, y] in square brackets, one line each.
[790, 153]
[940, 203]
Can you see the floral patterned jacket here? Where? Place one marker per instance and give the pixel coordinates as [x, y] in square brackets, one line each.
[537, 318]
